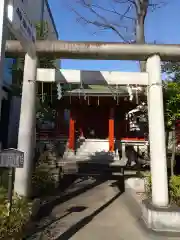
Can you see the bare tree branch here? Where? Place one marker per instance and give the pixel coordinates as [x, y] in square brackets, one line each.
[119, 16]
[100, 22]
[126, 18]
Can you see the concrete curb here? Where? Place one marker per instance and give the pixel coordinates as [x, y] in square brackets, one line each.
[153, 220]
[133, 201]
[134, 185]
[161, 219]
[132, 193]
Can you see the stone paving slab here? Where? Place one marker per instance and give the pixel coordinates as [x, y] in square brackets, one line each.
[98, 213]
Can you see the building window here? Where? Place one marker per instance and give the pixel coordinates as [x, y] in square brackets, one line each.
[8, 62]
[10, 35]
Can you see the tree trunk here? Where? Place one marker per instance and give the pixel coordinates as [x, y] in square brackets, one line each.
[140, 37]
[173, 149]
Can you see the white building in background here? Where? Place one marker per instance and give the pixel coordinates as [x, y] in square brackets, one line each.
[37, 11]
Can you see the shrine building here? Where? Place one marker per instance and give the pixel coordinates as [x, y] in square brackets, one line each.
[93, 105]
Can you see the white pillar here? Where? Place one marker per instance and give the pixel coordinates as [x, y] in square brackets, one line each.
[157, 133]
[27, 127]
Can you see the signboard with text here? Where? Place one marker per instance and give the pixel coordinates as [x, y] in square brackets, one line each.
[20, 24]
[11, 158]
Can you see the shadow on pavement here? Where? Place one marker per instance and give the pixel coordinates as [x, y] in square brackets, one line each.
[83, 222]
[46, 209]
[52, 220]
[61, 197]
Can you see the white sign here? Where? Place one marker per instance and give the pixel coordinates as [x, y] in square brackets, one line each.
[20, 24]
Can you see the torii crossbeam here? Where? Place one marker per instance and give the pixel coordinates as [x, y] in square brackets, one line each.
[97, 50]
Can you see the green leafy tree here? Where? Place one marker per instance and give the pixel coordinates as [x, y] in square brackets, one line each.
[172, 71]
[171, 92]
[172, 102]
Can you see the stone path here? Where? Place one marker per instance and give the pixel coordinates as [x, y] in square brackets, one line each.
[99, 212]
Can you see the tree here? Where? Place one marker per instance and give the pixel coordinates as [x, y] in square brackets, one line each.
[172, 71]
[171, 92]
[126, 18]
[46, 92]
[172, 102]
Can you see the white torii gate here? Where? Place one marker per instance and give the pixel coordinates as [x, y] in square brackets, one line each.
[151, 78]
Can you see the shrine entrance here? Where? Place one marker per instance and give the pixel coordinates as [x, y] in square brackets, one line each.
[93, 122]
[96, 113]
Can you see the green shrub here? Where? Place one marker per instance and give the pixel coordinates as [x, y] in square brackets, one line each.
[11, 225]
[3, 194]
[41, 179]
[4, 175]
[174, 187]
[148, 185]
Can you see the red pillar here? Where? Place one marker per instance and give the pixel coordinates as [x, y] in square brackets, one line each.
[111, 130]
[71, 144]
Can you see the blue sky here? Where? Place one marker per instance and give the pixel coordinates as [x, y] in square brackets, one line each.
[161, 25]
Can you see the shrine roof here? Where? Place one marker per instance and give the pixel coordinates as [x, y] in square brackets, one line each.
[99, 90]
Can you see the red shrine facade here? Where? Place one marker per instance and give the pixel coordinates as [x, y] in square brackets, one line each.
[103, 116]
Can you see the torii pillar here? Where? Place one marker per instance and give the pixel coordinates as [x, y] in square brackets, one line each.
[157, 133]
[27, 125]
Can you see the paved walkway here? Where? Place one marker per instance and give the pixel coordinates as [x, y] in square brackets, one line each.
[99, 212]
